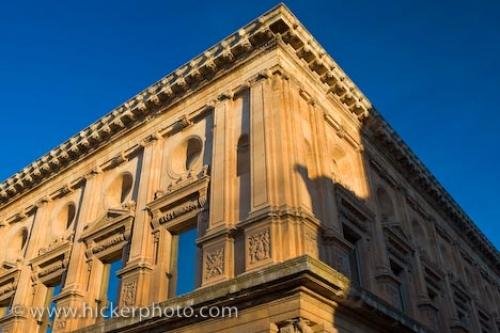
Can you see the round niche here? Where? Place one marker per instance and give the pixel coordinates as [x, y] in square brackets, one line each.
[186, 156]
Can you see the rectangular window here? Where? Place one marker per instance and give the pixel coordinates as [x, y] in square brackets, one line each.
[110, 292]
[398, 271]
[354, 258]
[185, 270]
[52, 292]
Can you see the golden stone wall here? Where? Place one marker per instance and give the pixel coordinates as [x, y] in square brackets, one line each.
[312, 215]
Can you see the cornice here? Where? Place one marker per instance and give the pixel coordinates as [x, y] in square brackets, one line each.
[277, 26]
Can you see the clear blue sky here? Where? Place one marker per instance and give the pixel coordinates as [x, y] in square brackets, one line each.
[431, 67]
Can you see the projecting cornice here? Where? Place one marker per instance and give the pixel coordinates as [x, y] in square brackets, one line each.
[277, 26]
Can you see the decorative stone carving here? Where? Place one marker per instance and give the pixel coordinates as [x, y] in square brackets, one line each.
[296, 325]
[109, 233]
[259, 246]
[108, 242]
[180, 202]
[55, 243]
[214, 264]
[129, 291]
[8, 283]
[184, 208]
[52, 260]
[311, 243]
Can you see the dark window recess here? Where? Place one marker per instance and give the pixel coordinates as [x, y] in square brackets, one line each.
[186, 262]
[354, 257]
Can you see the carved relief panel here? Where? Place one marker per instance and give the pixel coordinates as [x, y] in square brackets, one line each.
[258, 246]
[216, 259]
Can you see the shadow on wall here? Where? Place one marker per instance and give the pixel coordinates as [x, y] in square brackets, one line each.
[367, 241]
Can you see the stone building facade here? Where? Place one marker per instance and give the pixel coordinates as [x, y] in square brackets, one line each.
[310, 213]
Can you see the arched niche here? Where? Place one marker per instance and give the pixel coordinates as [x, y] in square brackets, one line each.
[15, 245]
[63, 219]
[342, 167]
[119, 190]
[385, 205]
[420, 236]
[243, 155]
[446, 255]
[186, 156]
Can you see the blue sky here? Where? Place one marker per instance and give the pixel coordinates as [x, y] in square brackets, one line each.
[431, 67]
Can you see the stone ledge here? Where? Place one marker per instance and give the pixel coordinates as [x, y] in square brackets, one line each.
[272, 283]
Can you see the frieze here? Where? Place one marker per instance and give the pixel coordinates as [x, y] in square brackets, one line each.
[51, 269]
[107, 243]
[51, 261]
[181, 201]
[108, 233]
[352, 209]
[8, 282]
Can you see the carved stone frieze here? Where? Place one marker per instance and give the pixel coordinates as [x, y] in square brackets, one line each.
[180, 202]
[52, 260]
[109, 233]
[8, 283]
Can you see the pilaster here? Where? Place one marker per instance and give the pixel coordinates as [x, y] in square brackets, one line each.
[76, 292]
[138, 286]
